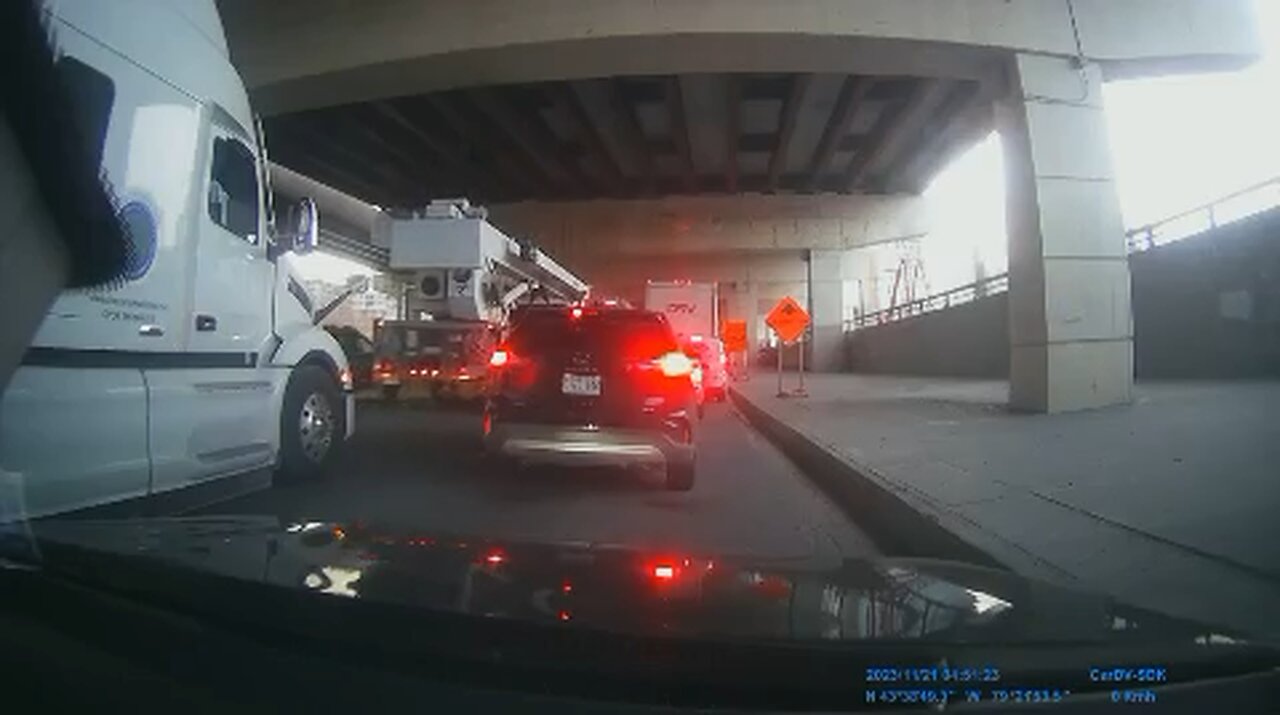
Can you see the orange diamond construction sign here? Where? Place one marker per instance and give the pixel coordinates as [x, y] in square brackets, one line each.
[787, 319]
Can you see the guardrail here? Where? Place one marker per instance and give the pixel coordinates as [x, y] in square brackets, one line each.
[1236, 205]
[1206, 217]
[937, 301]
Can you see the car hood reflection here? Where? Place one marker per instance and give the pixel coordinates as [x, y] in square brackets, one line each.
[615, 588]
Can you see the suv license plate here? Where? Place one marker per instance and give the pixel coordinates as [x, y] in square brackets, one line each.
[580, 384]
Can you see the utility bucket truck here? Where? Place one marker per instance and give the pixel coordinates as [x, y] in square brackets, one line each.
[464, 277]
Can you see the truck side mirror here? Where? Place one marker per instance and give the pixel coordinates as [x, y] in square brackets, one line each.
[302, 231]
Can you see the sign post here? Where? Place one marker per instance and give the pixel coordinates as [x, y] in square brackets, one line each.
[800, 391]
[789, 321]
[780, 392]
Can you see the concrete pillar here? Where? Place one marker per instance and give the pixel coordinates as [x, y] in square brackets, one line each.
[1070, 324]
[828, 310]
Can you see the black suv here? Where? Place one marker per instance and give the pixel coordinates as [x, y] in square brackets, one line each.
[583, 385]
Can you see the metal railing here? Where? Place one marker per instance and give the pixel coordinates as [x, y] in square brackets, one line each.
[1234, 206]
[938, 301]
[1206, 217]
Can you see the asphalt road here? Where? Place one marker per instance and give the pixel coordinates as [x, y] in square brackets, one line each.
[418, 467]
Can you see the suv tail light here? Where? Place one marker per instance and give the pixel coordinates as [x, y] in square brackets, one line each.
[674, 364]
[499, 358]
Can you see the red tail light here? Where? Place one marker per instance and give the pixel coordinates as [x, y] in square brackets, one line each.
[674, 364]
[499, 358]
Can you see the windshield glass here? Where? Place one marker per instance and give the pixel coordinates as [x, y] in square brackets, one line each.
[965, 332]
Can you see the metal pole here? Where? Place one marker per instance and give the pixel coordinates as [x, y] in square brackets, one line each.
[800, 344]
[781, 345]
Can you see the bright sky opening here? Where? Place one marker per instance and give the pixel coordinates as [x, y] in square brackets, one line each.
[1177, 142]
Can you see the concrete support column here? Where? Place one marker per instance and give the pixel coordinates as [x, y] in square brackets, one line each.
[1070, 321]
[828, 310]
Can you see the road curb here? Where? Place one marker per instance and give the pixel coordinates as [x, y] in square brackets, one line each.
[897, 528]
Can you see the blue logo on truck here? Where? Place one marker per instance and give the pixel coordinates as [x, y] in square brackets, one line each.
[140, 231]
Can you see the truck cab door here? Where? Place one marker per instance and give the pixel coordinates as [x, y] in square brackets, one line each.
[213, 418]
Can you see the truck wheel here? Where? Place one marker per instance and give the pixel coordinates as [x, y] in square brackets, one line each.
[390, 392]
[680, 474]
[312, 424]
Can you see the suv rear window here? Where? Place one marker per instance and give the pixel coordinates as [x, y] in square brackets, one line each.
[634, 334]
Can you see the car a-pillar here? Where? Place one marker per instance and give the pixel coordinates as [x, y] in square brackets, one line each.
[1070, 325]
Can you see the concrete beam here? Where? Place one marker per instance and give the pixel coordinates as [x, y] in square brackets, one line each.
[894, 128]
[404, 46]
[445, 151]
[523, 132]
[514, 167]
[852, 92]
[298, 137]
[586, 132]
[629, 129]
[732, 132]
[680, 133]
[756, 223]
[786, 127]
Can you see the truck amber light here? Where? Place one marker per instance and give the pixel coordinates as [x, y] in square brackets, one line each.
[675, 364]
[499, 358]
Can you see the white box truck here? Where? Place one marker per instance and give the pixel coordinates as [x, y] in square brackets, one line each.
[689, 307]
[201, 372]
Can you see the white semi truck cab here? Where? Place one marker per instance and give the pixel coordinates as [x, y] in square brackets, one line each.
[200, 372]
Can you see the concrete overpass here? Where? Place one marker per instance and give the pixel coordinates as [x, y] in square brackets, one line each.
[756, 143]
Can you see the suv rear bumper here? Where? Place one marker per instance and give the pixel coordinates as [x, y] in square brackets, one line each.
[570, 446]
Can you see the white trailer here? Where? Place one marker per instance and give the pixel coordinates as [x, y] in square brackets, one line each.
[201, 372]
[691, 308]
